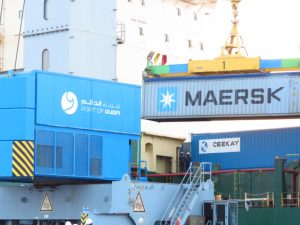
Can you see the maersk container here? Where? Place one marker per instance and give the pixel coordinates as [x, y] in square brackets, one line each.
[246, 149]
[226, 96]
[59, 126]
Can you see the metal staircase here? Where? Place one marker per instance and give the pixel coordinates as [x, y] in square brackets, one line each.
[186, 195]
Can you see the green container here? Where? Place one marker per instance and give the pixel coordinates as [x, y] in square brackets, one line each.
[160, 69]
[288, 63]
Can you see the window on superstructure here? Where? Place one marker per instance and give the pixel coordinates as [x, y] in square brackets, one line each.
[195, 16]
[178, 12]
[141, 31]
[190, 43]
[167, 39]
[46, 8]
[45, 59]
[201, 46]
[20, 14]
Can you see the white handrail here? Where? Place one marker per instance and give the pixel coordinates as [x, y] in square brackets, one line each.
[208, 222]
[185, 193]
[192, 184]
[173, 200]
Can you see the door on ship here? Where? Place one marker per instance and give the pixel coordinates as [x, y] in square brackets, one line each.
[220, 216]
[221, 213]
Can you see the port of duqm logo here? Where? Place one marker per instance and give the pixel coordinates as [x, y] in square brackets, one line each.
[69, 103]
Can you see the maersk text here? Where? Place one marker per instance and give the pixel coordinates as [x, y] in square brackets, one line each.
[233, 96]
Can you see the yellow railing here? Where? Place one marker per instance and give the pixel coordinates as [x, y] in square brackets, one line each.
[265, 200]
[290, 199]
[261, 200]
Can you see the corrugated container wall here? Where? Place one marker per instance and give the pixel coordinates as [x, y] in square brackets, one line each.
[53, 125]
[202, 97]
[245, 149]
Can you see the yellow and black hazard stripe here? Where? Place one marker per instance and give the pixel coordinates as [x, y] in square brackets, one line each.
[23, 159]
[84, 217]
